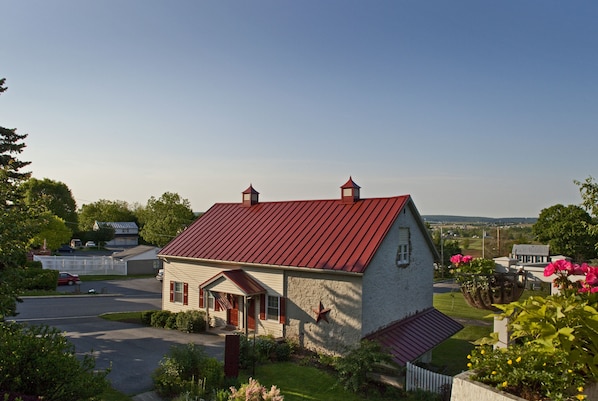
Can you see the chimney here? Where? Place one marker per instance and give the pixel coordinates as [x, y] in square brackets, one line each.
[250, 196]
[350, 192]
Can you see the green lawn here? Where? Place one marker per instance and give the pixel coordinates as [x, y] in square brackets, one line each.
[453, 304]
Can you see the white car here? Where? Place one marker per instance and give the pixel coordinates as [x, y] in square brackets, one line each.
[160, 275]
[90, 244]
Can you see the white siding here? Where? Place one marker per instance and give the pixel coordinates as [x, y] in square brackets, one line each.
[195, 274]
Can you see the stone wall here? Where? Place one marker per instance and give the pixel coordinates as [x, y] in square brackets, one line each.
[391, 292]
[339, 292]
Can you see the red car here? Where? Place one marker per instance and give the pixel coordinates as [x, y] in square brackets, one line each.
[68, 279]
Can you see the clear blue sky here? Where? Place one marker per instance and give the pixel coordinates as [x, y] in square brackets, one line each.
[476, 108]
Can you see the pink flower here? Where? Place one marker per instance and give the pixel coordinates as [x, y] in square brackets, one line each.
[583, 269]
[563, 265]
[467, 259]
[591, 278]
[456, 259]
[549, 270]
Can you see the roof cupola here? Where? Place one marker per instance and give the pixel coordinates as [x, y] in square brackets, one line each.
[250, 196]
[350, 192]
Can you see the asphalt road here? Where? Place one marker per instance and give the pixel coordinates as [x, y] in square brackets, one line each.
[132, 351]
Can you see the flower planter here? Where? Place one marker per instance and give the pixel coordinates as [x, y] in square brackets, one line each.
[499, 288]
[465, 389]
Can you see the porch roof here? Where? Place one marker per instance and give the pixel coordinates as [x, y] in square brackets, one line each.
[410, 338]
[246, 284]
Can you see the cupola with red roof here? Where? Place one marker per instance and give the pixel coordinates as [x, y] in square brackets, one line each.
[350, 192]
[250, 196]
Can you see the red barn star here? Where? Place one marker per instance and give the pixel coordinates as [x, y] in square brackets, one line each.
[321, 313]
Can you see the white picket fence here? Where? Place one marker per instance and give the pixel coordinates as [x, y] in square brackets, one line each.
[420, 378]
[84, 265]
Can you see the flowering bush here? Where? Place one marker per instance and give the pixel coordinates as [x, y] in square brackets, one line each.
[563, 269]
[465, 267]
[528, 373]
[254, 391]
[555, 341]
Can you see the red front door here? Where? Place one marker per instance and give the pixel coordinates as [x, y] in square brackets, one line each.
[251, 314]
[232, 315]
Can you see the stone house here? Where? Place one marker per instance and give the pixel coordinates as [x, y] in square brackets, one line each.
[326, 273]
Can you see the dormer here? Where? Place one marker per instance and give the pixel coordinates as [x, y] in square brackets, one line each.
[350, 192]
[250, 196]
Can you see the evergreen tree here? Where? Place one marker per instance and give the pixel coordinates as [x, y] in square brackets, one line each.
[17, 223]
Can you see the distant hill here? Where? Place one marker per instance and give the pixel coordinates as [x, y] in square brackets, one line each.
[437, 219]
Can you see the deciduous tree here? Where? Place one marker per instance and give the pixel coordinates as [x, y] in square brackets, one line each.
[104, 211]
[589, 196]
[55, 196]
[163, 218]
[53, 233]
[564, 228]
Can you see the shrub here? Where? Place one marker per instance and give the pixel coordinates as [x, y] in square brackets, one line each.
[146, 317]
[159, 318]
[353, 368]
[264, 348]
[283, 351]
[528, 372]
[171, 321]
[188, 370]
[38, 279]
[34, 264]
[553, 350]
[39, 360]
[192, 321]
[254, 391]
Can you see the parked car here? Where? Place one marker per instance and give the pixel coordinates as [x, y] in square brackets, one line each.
[65, 249]
[65, 278]
[90, 244]
[160, 275]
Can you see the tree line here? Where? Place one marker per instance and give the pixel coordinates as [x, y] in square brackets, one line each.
[159, 220]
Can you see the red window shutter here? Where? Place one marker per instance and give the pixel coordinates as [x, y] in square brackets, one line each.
[185, 294]
[172, 291]
[262, 306]
[283, 310]
[201, 300]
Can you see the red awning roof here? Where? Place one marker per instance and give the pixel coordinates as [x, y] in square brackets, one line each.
[318, 234]
[243, 281]
[412, 337]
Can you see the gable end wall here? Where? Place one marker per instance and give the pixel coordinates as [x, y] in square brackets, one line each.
[392, 293]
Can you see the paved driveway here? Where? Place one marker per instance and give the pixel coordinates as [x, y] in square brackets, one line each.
[132, 351]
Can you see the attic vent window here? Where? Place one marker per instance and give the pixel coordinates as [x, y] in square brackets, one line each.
[250, 196]
[350, 192]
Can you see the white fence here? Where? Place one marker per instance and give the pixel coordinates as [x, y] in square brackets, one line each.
[84, 265]
[420, 378]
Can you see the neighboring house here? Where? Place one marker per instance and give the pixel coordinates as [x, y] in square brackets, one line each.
[531, 254]
[126, 233]
[142, 259]
[326, 273]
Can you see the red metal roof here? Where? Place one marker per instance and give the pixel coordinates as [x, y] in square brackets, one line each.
[318, 234]
[239, 278]
[410, 338]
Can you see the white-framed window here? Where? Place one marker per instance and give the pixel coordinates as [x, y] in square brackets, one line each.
[273, 308]
[178, 292]
[403, 247]
[211, 300]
